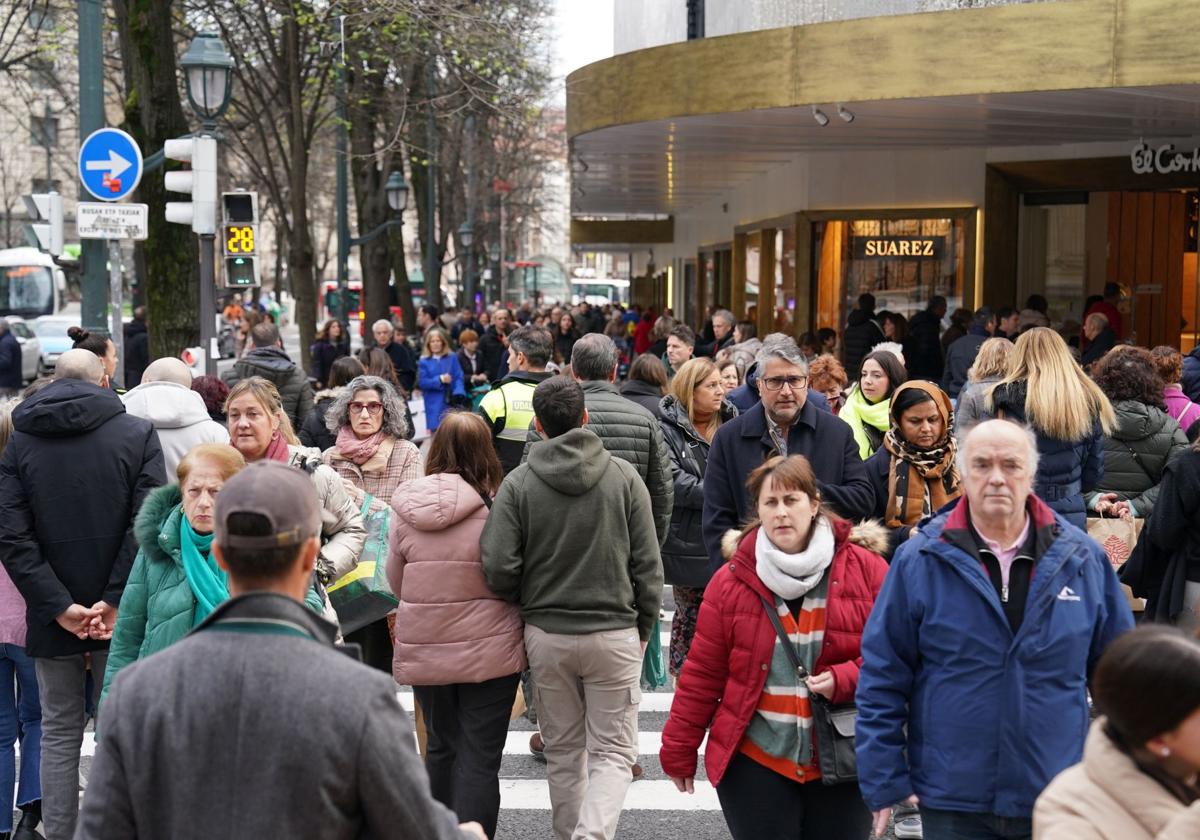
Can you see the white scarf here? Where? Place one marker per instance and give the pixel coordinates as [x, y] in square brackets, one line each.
[791, 576]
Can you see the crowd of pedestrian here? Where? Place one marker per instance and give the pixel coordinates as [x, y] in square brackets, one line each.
[888, 611]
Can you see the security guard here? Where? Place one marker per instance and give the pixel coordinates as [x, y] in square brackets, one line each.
[508, 408]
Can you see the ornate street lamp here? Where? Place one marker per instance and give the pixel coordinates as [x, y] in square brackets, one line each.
[208, 68]
[397, 192]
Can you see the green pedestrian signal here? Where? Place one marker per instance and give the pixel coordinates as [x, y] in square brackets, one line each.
[240, 272]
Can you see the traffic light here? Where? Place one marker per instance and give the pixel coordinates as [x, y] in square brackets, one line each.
[239, 237]
[200, 182]
[46, 232]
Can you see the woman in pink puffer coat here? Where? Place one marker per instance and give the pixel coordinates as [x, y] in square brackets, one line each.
[457, 644]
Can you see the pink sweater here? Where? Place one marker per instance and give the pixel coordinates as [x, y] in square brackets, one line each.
[1180, 407]
[450, 628]
[12, 612]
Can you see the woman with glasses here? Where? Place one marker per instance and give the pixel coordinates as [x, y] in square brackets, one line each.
[691, 414]
[373, 458]
[868, 406]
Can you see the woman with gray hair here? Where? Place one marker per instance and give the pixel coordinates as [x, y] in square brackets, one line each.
[373, 458]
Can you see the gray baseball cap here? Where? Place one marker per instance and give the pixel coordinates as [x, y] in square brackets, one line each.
[283, 495]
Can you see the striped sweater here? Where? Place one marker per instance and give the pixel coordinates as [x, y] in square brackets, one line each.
[780, 733]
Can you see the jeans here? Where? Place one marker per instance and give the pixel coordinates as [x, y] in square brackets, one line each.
[20, 719]
[759, 803]
[465, 729]
[961, 825]
[61, 681]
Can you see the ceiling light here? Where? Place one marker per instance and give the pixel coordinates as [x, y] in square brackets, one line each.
[819, 116]
[845, 114]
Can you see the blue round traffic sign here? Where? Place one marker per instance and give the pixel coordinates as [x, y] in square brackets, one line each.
[110, 164]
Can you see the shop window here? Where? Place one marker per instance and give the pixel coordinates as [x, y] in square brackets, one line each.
[785, 280]
[754, 254]
[902, 262]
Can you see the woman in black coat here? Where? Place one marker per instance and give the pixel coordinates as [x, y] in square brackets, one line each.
[332, 344]
[691, 414]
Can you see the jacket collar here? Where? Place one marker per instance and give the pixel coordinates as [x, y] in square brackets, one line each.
[743, 564]
[533, 377]
[1043, 529]
[597, 386]
[269, 609]
[755, 424]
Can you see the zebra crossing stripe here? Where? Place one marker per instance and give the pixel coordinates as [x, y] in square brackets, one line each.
[658, 795]
[659, 701]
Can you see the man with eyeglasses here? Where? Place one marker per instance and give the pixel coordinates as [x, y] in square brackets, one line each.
[785, 422]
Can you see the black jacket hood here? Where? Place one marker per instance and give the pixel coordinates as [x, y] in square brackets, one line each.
[67, 408]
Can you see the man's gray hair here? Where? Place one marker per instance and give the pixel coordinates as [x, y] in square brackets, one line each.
[593, 358]
[80, 364]
[780, 346]
[394, 422]
[383, 322]
[1032, 458]
[534, 343]
[726, 316]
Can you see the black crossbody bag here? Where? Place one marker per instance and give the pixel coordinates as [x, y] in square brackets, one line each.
[833, 726]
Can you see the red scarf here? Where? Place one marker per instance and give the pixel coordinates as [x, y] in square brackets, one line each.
[277, 449]
[358, 450]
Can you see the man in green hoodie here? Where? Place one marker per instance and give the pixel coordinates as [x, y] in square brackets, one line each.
[589, 604]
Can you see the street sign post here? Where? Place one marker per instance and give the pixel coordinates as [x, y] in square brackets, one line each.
[112, 221]
[110, 164]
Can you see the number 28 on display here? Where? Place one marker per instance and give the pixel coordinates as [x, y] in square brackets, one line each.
[239, 239]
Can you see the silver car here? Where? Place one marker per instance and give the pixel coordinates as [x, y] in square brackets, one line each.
[31, 347]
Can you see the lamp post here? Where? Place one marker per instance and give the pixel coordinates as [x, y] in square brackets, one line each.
[466, 235]
[208, 69]
[494, 260]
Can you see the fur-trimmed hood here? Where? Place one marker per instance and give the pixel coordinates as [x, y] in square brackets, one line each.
[157, 540]
[870, 534]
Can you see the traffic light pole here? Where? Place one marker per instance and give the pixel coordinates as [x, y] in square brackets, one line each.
[91, 118]
[208, 306]
[117, 333]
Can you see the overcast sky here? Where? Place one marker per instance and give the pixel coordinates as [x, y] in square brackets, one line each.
[582, 32]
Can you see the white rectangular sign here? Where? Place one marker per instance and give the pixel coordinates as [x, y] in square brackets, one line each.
[96, 220]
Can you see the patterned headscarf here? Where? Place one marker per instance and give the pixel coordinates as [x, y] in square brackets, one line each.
[920, 481]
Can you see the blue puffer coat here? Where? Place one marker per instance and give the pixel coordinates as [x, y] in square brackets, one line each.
[992, 716]
[1067, 470]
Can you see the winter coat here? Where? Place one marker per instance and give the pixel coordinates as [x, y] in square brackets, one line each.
[644, 394]
[727, 664]
[745, 442]
[403, 464]
[323, 354]
[437, 393]
[1185, 412]
[403, 363]
[1108, 795]
[494, 353]
[922, 348]
[862, 333]
[991, 716]
[470, 365]
[1167, 556]
[959, 359]
[450, 628]
[540, 545]
[1191, 375]
[11, 376]
[1098, 347]
[685, 560]
[137, 352]
[1066, 469]
[879, 467]
[1136, 452]
[273, 365]
[72, 478]
[342, 531]
[179, 417]
[313, 432]
[972, 404]
[632, 434]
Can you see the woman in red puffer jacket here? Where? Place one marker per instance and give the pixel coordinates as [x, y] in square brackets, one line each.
[822, 575]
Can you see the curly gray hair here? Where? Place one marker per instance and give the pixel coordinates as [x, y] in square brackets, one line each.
[394, 422]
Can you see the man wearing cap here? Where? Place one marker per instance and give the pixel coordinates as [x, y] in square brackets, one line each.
[255, 725]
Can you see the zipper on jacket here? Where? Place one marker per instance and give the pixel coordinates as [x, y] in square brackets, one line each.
[1004, 594]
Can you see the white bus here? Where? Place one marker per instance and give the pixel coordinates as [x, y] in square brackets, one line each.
[31, 284]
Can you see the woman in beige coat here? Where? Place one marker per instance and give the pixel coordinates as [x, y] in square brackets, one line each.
[1138, 777]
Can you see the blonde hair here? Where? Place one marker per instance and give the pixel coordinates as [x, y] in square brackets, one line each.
[683, 387]
[267, 396]
[1061, 402]
[429, 334]
[992, 360]
[6, 426]
[224, 457]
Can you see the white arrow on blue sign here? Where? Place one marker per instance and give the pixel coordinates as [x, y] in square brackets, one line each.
[110, 164]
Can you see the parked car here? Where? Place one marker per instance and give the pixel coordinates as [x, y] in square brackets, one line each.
[31, 348]
[51, 331]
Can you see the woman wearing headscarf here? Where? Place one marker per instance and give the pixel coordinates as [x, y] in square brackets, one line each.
[914, 473]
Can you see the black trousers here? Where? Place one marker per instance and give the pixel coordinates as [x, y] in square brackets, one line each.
[759, 803]
[375, 641]
[466, 725]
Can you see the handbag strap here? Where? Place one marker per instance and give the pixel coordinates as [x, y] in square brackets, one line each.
[366, 505]
[1137, 457]
[789, 648]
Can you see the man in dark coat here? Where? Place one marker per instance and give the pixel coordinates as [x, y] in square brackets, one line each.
[11, 378]
[785, 422]
[137, 348]
[267, 359]
[402, 358]
[71, 480]
[1100, 336]
[722, 327]
[493, 346]
[255, 725]
[923, 347]
[862, 333]
[962, 353]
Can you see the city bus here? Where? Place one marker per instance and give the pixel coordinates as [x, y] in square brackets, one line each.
[599, 290]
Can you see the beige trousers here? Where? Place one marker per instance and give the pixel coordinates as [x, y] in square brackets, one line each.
[587, 692]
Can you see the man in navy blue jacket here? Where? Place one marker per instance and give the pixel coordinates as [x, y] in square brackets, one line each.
[972, 694]
[785, 422]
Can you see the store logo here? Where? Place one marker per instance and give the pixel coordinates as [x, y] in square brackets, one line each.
[1164, 160]
[897, 247]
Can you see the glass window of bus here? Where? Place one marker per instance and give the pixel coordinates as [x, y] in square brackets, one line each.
[26, 290]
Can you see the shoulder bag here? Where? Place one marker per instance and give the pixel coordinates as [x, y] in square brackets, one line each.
[833, 726]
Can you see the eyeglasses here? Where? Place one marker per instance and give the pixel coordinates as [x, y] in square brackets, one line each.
[776, 383]
[372, 408]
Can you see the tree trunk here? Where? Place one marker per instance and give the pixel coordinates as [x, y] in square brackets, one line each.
[300, 251]
[365, 90]
[404, 298]
[153, 115]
